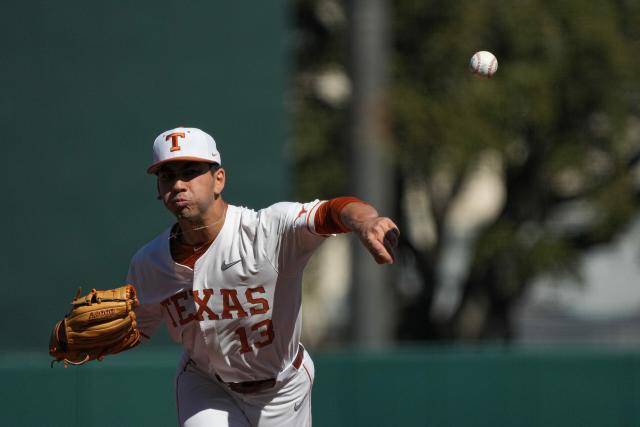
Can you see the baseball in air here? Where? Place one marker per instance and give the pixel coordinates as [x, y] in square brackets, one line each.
[483, 64]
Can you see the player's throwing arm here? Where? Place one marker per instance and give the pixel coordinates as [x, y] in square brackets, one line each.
[378, 234]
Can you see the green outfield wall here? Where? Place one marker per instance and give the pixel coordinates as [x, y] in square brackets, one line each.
[85, 87]
[439, 387]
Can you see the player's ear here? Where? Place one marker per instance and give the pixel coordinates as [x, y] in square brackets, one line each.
[219, 179]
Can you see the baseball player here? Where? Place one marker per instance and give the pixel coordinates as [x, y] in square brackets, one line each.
[226, 281]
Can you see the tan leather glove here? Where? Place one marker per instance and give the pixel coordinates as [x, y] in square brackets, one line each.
[100, 323]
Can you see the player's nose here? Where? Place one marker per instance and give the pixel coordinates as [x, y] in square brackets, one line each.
[179, 185]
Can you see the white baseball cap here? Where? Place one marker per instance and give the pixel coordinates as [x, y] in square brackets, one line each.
[187, 144]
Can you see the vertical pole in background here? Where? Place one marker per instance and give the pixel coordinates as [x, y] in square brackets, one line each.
[369, 136]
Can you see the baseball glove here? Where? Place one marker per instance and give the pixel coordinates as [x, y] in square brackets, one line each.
[100, 323]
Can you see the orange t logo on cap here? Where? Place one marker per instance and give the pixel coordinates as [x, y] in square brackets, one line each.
[174, 140]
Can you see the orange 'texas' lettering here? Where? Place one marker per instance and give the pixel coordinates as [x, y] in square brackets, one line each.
[202, 305]
[262, 301]
[174, 140]
[178, 305]
[231, 303]
[165, 304]
[180, 309]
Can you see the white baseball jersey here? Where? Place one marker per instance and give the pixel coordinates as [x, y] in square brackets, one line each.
[237, 313]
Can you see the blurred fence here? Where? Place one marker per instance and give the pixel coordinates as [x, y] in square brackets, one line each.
[483, 386]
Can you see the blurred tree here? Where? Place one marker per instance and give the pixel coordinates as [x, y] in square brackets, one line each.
[320, 96]
[560, 118]
[558, 126]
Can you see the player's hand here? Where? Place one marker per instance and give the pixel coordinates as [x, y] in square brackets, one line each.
[380, 236]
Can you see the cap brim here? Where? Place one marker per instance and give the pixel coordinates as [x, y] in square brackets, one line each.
[154, 167]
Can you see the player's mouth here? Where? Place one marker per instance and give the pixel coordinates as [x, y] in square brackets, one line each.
[181, 203]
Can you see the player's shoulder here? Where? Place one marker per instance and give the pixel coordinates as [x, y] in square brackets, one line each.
[288, 215]
[275, 210]
[289, 209]
[273, 218]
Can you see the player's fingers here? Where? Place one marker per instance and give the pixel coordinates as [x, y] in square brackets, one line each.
[381, 239]
[391, 238]
[380, 252]
[384, 227]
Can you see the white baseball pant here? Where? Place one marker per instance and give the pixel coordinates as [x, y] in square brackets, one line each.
[204, 401]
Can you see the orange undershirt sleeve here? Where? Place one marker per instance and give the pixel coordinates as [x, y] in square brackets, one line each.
[327, 218]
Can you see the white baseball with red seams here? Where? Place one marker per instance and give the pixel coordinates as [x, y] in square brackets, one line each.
[483, 64]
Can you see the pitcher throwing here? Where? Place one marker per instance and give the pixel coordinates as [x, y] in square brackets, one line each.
[226, 281]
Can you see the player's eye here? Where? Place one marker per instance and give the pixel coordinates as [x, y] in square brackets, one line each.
[165, 176]
[191, 173]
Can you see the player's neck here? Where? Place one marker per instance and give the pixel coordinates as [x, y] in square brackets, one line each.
[205, 229]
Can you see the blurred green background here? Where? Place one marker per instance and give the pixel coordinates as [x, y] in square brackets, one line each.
[505, 190]
[85, 91]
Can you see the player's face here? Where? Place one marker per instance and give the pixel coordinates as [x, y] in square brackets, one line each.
[189, 189]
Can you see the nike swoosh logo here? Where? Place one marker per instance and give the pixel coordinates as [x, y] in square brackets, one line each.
[231, 264]
[298, 405]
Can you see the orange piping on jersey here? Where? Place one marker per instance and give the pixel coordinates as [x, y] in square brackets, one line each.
[302, 211]
[308, 374]
[184, 254]
[309, 216]
[327, 219]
